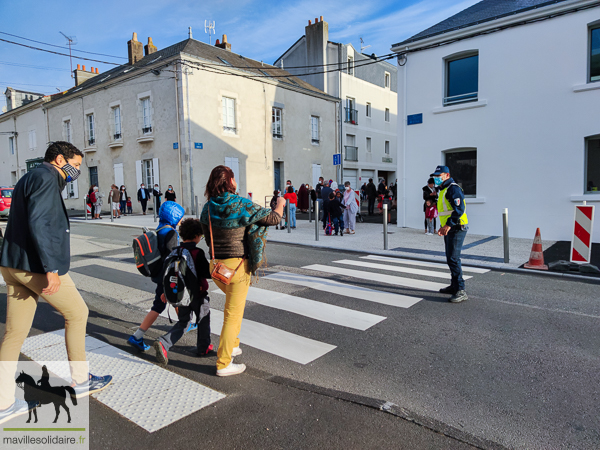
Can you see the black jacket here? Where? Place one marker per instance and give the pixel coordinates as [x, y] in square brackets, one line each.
[427, 194]
[371, 190]
[37, 235]
[140, 194]
[335, 208]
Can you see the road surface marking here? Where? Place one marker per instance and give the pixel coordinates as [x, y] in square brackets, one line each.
[370, 276]
[348, 290]
[144, 393]
[412, 262]
[426, 273]
[313, 309]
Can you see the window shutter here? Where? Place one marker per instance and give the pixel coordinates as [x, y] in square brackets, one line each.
[224, 108]
[156, 174]
[231, 112]
[138, 173]
[65, 194]
[75, 189]
[118, 169]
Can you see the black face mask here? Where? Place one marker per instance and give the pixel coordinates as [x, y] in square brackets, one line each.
[71, 172]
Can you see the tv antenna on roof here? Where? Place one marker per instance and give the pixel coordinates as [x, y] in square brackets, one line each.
[71, 40]
[209, 27]
[362, 45]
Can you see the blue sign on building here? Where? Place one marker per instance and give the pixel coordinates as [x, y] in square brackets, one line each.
[175, 145]
[414, 119]
[337, 159]
[198, 145]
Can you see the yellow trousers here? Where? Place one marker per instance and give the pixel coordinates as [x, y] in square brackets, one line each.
[23, 291]
[235, 302]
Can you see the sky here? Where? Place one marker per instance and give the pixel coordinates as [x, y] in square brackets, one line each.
[258, 29]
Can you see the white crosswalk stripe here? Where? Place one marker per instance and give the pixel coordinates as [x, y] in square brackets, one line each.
[427, 273]
[388, 279]
[313, 309]
[412, 262]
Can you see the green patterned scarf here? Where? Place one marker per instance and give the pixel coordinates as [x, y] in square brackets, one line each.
[232, 211]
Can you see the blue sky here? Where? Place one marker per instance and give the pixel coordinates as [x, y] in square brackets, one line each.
[258, 29]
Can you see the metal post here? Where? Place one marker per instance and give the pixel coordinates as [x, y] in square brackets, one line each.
[155, 207]
[112, 211]
[309, 209]
[85, 206]
[287, 215]
[385, 226]
[316, 221]
[505, 235]
[197, 210]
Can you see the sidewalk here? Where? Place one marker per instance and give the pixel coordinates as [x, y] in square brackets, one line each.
[485, 251]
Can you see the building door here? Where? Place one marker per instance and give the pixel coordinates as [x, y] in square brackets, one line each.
[94, 175]
[365, 175]
[277, 175]
[351, 175]
[316, 174]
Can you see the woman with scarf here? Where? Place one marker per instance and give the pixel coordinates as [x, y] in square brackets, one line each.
[239, 232]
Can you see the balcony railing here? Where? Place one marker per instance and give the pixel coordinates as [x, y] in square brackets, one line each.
[147, 130]
[463, 98]
[315, 141]
[117, 136]
[351, 116]
[91, 141]
[277, 135]
[351, 153]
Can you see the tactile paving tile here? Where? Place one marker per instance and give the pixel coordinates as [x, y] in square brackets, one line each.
[120, 368]
[92, 343]
[139, 387]
[168, 406]
[43, 340]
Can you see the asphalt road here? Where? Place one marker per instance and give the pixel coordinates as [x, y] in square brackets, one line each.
[515, 366]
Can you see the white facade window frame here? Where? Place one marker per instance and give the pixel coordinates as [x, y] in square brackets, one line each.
[591, 27]
[315, 124]
[11, 145]
[369, 144]
[276, 122]
[67, 129]
[447, 101]
[224, 123]
[387, 114]
[148, 173]
[32, 138]
[586, 161]
[368, 109]
[387, 80]
[90, 128]
[473, 198]
[386, 148]
[116, 121]
[146, 113]
[350, 65]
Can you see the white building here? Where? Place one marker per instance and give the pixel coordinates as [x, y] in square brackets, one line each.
[367, 87]
[171, 115]
[507, 94]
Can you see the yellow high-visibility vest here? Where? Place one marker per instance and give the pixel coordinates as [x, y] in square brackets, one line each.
[445, 208]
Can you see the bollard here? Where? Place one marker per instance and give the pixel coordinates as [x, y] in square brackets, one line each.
[155, 207]
[112, 212]
[316, 221]
[505, 234]
[287, 215]
[197, 212]
[385, 226]
[85, 207]
[309, 216]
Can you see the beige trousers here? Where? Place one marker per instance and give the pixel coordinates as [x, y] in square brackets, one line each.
[23, 291]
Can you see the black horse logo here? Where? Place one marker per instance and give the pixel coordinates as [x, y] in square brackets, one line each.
[44, 393]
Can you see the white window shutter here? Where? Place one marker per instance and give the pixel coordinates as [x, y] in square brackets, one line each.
[75, 189]
[224, 108]
[138, 173]
[231, 112]
[119, 180]
[65, 194]
[156, 174]
[234, 165]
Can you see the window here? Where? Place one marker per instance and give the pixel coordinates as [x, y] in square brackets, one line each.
[116, 113]
[314, 129]
[351, 149]
[368, 145]
[386, 80]
[595, 54]
[94, 175]
[387, 114]
[592, 163]
[462, 80]
[13, 178]
[91, 130]
[146, 114]
[67, 130]
[228, 114]
[463, 168]
[148, 173]
[351, 113]
[387, 147]
[32, 140]
[368, 112]
[11, 145]
[350, 65]
[276, 123]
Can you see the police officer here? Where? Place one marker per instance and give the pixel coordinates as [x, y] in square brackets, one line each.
[453, 223]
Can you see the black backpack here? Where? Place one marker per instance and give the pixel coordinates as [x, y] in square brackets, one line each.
[146, 252]
[180, 277]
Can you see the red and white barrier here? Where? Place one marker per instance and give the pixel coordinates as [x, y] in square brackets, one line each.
[581, 245]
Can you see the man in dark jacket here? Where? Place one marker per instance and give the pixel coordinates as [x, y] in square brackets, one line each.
[157, 194]
[35, 260]
[143, 195]
[325, 191]
[371, 196]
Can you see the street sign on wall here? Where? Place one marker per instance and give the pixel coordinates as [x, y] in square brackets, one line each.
[337, 159]
[198, 145]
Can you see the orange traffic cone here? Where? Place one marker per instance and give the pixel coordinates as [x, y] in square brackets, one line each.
[536, 259]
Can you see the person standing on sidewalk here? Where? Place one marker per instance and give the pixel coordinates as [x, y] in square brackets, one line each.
[143, 195]
[318, 188]
[170, 195]
[351, 208]
[123, 200]
[235, 230]
[157, 194]
[325, 191]
[371, 196]
[453, 226]
[35, 262]
[429, 193]
[114, 201]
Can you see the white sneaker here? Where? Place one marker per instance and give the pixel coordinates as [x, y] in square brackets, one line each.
[236, 351]
[231, 369]
[352, 232]
[18, 408]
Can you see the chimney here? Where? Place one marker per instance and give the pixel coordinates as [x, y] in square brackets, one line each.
[135, 49]
[150, 47]
[225, 45]
[317, 36]
[82, 75]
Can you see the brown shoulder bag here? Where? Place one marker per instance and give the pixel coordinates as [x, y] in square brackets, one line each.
[220, 271]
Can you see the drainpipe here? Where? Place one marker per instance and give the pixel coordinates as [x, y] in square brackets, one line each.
[340, 109]
[178, 130]
[404, 145]
[187, 95]
[16, 140]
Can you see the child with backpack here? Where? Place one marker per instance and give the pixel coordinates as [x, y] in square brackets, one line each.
[186, 271]
[336, 212]
[170, 214]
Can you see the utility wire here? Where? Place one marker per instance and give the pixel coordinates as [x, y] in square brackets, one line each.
[60, 46]
[29, 66]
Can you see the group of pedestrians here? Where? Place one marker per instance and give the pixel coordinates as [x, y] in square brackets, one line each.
[337, 208]
[120, 202]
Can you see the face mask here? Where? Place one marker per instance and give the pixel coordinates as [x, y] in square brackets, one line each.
[142, 186]
[347, 188]
[71, 172]
[437, 181]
